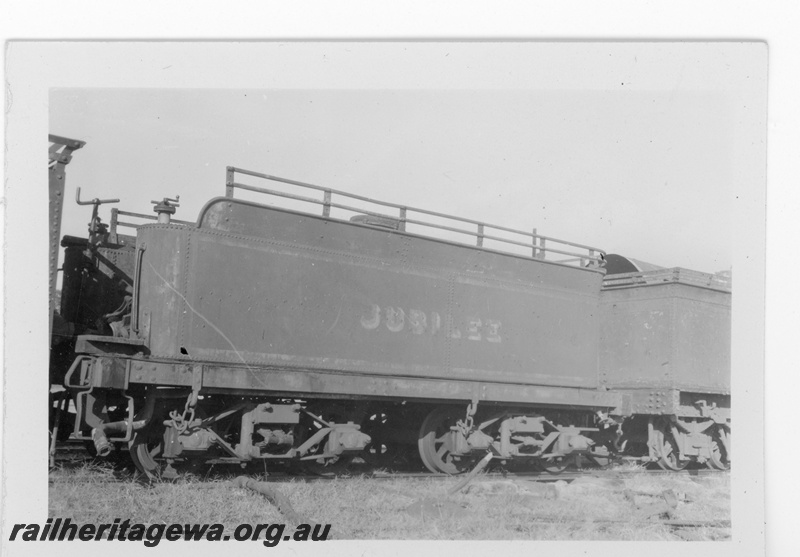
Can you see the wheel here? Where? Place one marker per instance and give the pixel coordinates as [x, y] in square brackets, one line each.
[328, 466]
[145, 449]
[600, 457]
[379, 454]
[668, 450]
[433, 447]
[381, 451]
[719, 456]
[334, 466]
[554, 464]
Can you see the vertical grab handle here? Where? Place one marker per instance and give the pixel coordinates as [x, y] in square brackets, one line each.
[137, 287]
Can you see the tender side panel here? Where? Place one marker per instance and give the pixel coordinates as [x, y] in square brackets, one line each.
[703, 337]
[315, 294]
[162, 250]
[666, 334]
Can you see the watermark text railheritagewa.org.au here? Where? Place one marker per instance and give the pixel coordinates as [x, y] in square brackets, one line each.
[152, 534]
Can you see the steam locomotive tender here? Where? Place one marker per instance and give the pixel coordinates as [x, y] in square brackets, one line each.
[261, 332]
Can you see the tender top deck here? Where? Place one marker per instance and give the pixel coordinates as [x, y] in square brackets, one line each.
[364, 211]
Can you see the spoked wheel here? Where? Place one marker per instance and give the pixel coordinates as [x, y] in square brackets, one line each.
[719, 456]
[382, 450]
[554, 464]
[434, 446]
[145, 449]
[378, 453]
[333, 466]
[322, 466]
[669, 459]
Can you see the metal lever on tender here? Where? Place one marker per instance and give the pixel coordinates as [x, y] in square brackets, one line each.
[96, 228]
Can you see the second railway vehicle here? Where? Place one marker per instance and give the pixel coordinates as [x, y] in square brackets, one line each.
[259, 332]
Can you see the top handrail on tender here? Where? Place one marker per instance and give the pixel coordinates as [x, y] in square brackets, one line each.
[115, 222]
[671, 275]
[540, 246]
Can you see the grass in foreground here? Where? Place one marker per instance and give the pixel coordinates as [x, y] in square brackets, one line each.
[361, 508]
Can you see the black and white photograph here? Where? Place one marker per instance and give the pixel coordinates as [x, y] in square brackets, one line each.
[330, 292]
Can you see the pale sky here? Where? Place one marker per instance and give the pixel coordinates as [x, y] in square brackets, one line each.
[629, 168]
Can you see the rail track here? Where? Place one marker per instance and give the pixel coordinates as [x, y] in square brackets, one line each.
[74, 453]
[432, 496]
